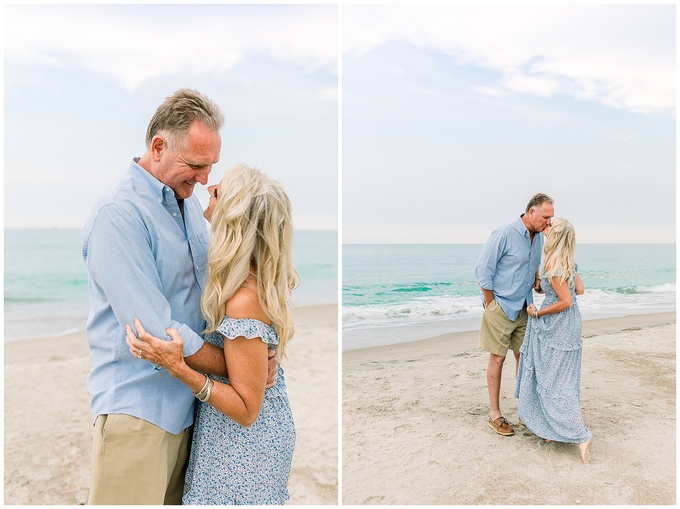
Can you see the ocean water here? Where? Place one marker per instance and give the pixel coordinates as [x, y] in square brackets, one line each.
[46, 280]
[398, 293]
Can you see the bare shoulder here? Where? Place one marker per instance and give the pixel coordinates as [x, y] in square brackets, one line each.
[246, 304]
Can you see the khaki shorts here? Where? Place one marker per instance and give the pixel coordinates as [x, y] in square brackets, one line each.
[498, 334]
[135, 462]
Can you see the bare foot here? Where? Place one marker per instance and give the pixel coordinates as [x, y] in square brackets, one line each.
[585, 450]
[547, 440]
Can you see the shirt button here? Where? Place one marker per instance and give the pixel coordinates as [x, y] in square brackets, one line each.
[174, 214]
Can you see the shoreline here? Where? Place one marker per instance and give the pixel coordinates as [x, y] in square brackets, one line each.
[415, 424]
[469, 338]
[48, 424]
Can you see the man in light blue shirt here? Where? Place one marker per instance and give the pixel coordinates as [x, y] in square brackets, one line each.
[506, 271]
[145, 247]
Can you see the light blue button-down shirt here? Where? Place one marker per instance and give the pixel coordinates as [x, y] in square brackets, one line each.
[508, 265]
[143, 262]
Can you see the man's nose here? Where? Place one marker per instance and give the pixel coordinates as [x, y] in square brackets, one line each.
[202, 177]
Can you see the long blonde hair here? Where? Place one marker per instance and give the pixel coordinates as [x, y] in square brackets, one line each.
[251, 224]
[558, 251]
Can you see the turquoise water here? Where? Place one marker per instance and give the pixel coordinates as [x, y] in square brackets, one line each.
[46, 280]
[394, 293]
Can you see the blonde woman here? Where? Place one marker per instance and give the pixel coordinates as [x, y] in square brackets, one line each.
[549, 375]
[244, 433]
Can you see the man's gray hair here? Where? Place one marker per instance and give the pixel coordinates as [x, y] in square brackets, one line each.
[174, 117]
[537, 200]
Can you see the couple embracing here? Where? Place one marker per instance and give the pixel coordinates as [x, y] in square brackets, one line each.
[546, 342]
[184, 327]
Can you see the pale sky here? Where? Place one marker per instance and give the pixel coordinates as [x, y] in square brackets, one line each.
[454, 116]
[81, 83]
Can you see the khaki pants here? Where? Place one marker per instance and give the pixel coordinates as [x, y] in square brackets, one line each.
[135, 462]
[498, 334]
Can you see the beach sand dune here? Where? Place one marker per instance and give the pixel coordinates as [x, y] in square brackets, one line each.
[48, 425]
[415, 432]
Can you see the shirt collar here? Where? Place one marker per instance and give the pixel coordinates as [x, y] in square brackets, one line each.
[157, 188]
[519, 226]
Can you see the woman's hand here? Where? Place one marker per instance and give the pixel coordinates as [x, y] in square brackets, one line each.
[579, 288]
[537, 286]
[167, 354]
[531, 309]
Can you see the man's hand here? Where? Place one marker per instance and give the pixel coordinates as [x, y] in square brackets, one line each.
[488, 297]
[272, 369]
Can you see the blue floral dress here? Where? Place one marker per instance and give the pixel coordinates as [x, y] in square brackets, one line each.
[549, 375]
[233, 465]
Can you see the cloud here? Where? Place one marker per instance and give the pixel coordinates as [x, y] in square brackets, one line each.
[622, 56]
[138, 42]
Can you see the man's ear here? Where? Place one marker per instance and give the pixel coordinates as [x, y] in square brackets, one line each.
[158, 145]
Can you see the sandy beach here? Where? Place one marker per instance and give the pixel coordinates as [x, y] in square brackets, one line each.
[415, 432]
[48, 425]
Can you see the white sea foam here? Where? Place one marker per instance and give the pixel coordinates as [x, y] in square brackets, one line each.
[429, 310]
[638, 300]
[420, 310]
